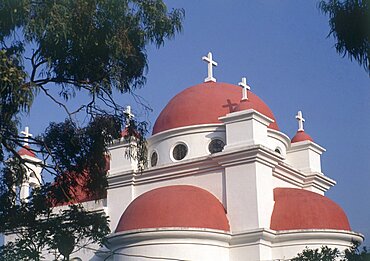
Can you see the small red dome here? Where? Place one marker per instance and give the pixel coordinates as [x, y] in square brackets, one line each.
[301, 136]
[26, 150]
[302, 209]
[175, 206]
[204, 104]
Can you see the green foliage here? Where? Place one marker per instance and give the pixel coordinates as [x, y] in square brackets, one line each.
[355, 254]
[62, 49]
[323, 254]
[15, 96]
[98, 45]
[349, 21]
[38, 227]
[333, 254]
[75, 152]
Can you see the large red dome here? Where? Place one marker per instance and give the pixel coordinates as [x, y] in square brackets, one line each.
[302, 209]
[204, 104]
[175, 206]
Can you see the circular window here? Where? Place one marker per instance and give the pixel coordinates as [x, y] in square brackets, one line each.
[154, 159]
[216, 145]
[180, 151]
[278, 150]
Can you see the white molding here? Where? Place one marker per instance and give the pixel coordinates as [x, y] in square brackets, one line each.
[227, 239]
[301, 179]
[246, 115]
[193, 129]
[275, 134]
[306, 144]
[328, 234]
[196, 166]
[167, 235]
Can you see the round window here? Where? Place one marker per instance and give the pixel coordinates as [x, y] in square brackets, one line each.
[154, 159]
[216, 145]
[180, 151]
[278, 150]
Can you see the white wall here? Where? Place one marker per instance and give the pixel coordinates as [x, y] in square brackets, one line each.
[180, 244]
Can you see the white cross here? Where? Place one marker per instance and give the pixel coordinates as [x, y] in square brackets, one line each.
[211, 63]
[246, 87]
[26, 134]
[128, 114]
[301, 120]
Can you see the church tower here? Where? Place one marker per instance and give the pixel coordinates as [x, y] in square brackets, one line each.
[32, 178]
[223, 183]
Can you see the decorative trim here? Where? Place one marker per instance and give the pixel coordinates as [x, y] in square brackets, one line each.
[139, 236]
[304, 145]
[209, 163]
[275, 134]
[246, 115]
[194, 129]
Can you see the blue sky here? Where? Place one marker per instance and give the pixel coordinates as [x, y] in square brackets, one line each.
[283, 50]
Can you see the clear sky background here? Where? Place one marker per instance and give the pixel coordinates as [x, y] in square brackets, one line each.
[283, 50]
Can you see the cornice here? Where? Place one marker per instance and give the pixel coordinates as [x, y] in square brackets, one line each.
[206, 164]
[301, 179]
[304, 145]
[139, 236]
[201, 128]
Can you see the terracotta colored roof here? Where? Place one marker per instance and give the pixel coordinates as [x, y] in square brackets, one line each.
[204, 104]
[26, 150]
[78, 191]
[175, 206]
[125, 133]
[254, 102]
[302, 209]
[301, 136]
[77, 187]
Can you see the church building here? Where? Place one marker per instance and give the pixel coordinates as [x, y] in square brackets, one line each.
[223, 183]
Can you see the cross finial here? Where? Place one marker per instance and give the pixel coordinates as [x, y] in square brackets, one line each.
[246, 87]
[129, 114]
[26, 134]
[211, 63]
[301, 120]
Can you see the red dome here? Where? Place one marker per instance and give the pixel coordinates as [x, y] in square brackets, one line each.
[302, 209]
[175, 206]
[26, 150]
[204, 104]
[301, 136]
[254, 102]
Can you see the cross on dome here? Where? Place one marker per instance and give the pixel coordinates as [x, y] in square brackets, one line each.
[129, 114]
[26, 134]
[246, 87]
[208, 59]
[301, 120]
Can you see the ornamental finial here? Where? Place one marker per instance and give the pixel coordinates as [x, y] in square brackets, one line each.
[129, 114]
[246, 87]
[26, 134]
[208, 59]
[301, 120]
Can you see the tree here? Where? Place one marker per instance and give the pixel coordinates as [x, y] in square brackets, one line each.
[65, 49]
[323, 254]
[333, 254]
[349, 22]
